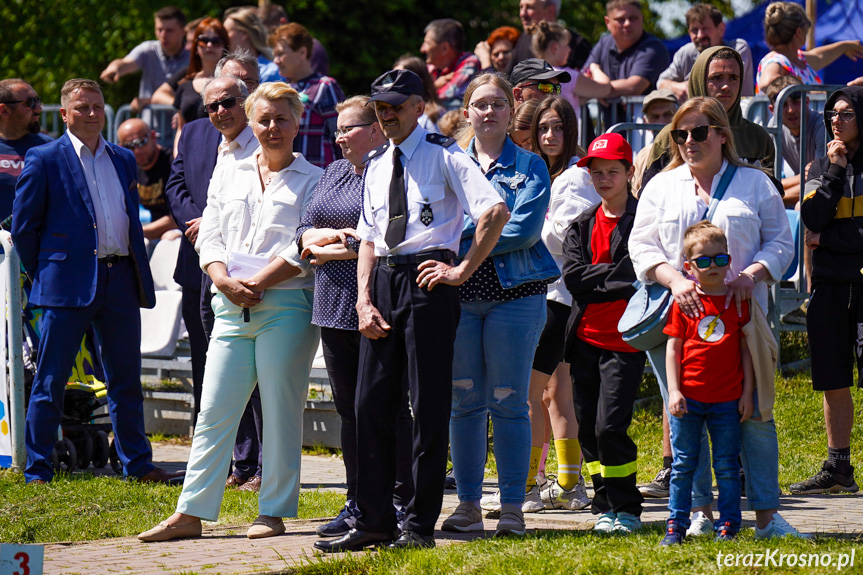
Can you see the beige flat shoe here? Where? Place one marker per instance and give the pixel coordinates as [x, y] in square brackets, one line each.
[266, 526]
[165, 532]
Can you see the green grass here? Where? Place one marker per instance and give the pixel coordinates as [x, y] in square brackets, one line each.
[83, 507]
[567, 552]
[802, 448]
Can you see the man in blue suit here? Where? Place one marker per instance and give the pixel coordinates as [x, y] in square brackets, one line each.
[75, 225]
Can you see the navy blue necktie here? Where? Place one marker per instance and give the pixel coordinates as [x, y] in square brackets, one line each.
[398, 210]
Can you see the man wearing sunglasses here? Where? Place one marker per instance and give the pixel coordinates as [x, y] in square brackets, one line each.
[224, 136]
[20, 109]
[157, 59]
[536, 79]
[154, 167]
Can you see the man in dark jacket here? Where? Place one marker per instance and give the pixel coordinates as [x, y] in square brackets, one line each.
[835, 319]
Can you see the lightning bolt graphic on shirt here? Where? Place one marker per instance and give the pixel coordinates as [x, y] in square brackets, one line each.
[711, 327]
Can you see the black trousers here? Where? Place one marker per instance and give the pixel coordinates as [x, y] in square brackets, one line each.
[247, 449]
[419, 345]
[604, 386]
[342, 356]
[198, 342]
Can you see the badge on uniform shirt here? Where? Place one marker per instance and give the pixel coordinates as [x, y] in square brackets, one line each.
[426, 215]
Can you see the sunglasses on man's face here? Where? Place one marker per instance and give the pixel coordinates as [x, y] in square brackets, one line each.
[136, 143]
[30, 102]
[227, 104]
[545, 87]
[699, 134]
[703, 262]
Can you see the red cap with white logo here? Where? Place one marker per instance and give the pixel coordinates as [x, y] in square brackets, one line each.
[608, 147]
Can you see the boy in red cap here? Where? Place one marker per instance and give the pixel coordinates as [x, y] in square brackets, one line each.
[606, 371]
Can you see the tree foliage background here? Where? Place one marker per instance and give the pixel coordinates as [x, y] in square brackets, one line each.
[46, 42]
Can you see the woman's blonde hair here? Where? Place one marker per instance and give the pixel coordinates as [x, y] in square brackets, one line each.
[465, 131]
[781, 22]
[367, 113]
[717, 118]
[273, 92]
[247, 19]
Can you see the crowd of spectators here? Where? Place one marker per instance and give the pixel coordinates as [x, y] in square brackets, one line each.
[459, 257]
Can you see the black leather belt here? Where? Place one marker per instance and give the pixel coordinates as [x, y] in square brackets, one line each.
[113, 259]
[413, 259]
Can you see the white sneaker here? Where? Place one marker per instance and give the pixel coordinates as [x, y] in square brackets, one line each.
[627, 523]
[778, 527]
[700, 525]
[532, 502]
[490, 502]
[553, 496]
[605, 523]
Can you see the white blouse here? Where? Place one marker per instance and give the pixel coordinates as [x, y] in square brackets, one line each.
[240, 218]
[572, 193]
[750, 213]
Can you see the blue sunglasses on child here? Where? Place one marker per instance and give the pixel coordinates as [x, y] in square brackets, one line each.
[703, 262]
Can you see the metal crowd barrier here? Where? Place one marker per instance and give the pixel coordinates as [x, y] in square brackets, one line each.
[157, 116]
[817, 98]
[10, 268]
[53, 123]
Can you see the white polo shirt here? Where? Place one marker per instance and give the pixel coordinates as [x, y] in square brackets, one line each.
[443, 178]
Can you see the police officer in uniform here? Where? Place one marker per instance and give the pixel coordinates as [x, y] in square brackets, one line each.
[418, 188]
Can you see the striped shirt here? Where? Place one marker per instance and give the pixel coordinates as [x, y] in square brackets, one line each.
[316, 140]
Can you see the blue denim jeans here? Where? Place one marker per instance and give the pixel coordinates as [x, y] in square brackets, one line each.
[759, 452]
[494, 349]
[702, 482]
[722, 421]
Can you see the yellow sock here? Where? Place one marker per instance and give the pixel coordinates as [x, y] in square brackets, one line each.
[535, 456]
[568, 462]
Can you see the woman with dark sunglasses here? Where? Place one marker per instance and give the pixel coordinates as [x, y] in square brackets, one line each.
[183, 91]
[759, 242]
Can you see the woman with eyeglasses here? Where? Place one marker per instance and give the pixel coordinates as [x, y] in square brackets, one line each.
[327, 238]
[554, 135]
[183, 91]
[263, 332]
[502, 314]
[834, 183]
[759, 242]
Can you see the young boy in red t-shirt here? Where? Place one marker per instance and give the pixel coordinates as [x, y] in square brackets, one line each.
[710, 381]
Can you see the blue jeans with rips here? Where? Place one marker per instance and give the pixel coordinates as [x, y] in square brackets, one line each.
[494, 350]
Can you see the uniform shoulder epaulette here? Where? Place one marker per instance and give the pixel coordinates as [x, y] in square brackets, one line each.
[376, 152]
[440, 140]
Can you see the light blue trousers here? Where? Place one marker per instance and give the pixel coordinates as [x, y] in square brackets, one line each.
[275, 349]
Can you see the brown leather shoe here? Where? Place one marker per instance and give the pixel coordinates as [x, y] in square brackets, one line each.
[37, 482]
[266, 526]
[159, 475]
[234, 481]
[165, 532]
[253, 484]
